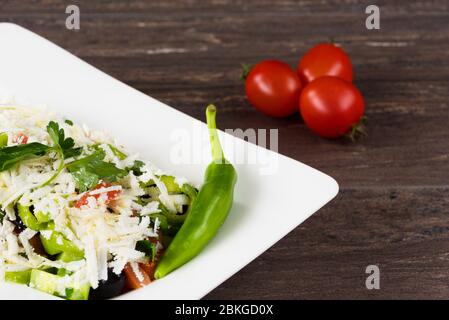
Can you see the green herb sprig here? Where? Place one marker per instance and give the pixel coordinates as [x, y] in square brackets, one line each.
[88, 171]
[10, 156]
[63, 146]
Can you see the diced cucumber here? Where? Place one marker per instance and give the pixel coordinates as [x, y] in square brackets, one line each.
[62, 272]
[49, 283]
[44, 281]
[78, 294]
[68, 256]
[22, 277]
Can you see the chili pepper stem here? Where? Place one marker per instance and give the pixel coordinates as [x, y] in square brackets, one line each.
[217, 151]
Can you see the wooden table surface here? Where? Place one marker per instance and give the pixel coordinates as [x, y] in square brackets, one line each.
[392, 209]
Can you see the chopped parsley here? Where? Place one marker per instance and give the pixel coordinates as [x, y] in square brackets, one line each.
[88, 171]
[10, 156]
[147, 247]
[136, 168]
[63, 146]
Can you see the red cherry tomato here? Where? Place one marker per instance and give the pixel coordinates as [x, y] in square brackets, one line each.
[330, 106]
[110, 195]
[273, 88]
[325, 60]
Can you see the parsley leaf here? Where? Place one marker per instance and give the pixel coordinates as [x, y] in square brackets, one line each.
[63, 146]
[88, 171]
[136, 168]
[66, 145]
[73, 152]
[147, 247]
[10, 156]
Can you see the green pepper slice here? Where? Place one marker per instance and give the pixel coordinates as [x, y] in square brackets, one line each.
[56, 243]
[28, 218]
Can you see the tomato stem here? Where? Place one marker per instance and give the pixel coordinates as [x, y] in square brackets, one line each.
[357, 130]
[246, 68]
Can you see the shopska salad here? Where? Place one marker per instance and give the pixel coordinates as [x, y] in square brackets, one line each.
[80, 217]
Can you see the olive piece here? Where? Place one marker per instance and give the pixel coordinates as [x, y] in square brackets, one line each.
[109, 288]
[18, 224]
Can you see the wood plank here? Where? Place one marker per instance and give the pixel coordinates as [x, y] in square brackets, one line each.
[257, 7]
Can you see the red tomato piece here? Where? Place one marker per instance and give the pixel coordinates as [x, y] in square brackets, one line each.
[149, 268]
[111, 195]
[21, 138]
[132, 280]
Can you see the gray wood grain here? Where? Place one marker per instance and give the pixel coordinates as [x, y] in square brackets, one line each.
[392, 209]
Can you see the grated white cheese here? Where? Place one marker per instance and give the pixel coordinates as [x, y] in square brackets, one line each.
[135, 268]
[151, 207]
[47, 234]
[91, 260]
[105, 190]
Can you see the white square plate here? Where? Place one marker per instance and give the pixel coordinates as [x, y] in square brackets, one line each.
[266, 207]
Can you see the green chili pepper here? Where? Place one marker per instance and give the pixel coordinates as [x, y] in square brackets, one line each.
[208, 211]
